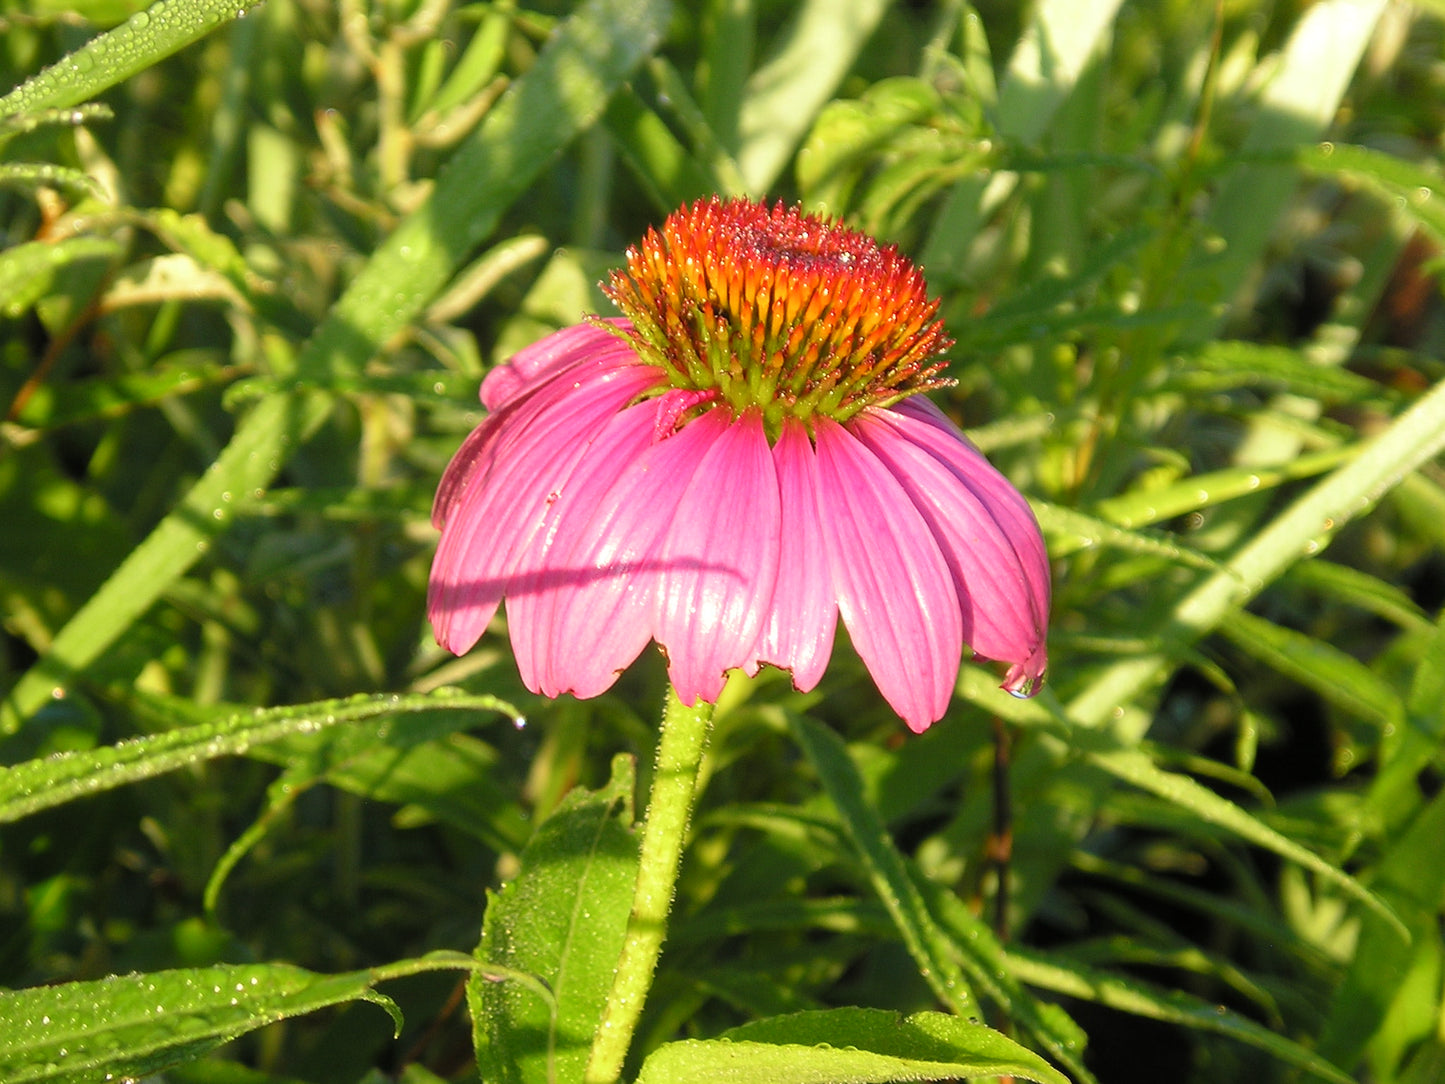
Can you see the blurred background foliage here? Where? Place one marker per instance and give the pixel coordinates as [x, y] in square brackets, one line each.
[1189, 253]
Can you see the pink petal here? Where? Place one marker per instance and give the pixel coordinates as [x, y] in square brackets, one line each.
[719, 561]
[494, 496]
[948, 443]
[997, 618]
[547, 356]
[605, 572]
[894, 590]
[986, 530]
[607, 358]
[798, 634]
[557, 567]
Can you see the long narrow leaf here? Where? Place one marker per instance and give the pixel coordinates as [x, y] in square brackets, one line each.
[43, 784]
[784, 95]
[1135, 767]
[848, 1046]
[885, 867]
[1140, 999]
[1416, 437]
[1336, 675]
[146, 38]
[132, 1025]
[1301, 99]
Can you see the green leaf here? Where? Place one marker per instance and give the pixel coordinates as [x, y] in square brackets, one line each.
[982, 954]
[836, 915]
[675, 99]
[1054, 302]
[42, 784]
[563, 919]
[1412, 877]
[1069, 530]
[1175, 1007]
[1265, 924]
[848, 136]
[847, 1046]
[1394, 795]
[1338, 677]
[1134, 766]
[142, 40]
[400, 503]
[172, 277]
[59, 537]
[784, 94]
[419, 763]
[1057, 41]
[1412, 439]
[87, 113]
[884, 865]
[33, 175]
[132, 1025]
[1052, 53]
[86, 400]
[28, 271]
[1244, 364]
[246, 465]
[452, 779]
[1355, 588]
[935, 927]
[1301, 98]
[1137, 507]
[1413, 188]
[668, 169]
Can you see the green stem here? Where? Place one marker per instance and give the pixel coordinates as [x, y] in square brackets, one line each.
[674, 786]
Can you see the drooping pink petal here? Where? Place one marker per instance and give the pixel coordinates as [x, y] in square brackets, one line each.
[545, 357]
[949, 444]
[607, 551]
[1008, 587]
[997, 605]
[495, 494]
[719, 561]
[798, 632]
[894, 589]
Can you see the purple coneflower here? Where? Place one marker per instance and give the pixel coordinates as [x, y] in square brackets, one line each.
[739, 460]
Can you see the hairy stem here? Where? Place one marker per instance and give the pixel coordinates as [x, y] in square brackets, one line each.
[669, 807]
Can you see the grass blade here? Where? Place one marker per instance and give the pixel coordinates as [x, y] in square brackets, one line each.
[146, 37]
[785, 94]
[43, 784]
[885, 866]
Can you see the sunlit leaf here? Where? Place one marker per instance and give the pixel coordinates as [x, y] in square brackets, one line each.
[137, 1024]
[563, 919]
[847, 1046]
[1142, 999]
[41, 784]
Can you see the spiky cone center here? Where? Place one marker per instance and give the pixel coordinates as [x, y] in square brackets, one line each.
[773, 309]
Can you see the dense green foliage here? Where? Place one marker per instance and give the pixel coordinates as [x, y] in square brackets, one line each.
[253, 265]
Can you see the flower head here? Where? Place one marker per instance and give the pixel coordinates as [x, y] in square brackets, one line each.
[734, 464]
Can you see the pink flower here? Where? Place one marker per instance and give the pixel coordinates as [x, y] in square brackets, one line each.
[728, 469]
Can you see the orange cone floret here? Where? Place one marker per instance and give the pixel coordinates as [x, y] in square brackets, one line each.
[775, 309]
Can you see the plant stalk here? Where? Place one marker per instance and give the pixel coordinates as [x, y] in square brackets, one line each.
[669, 807]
